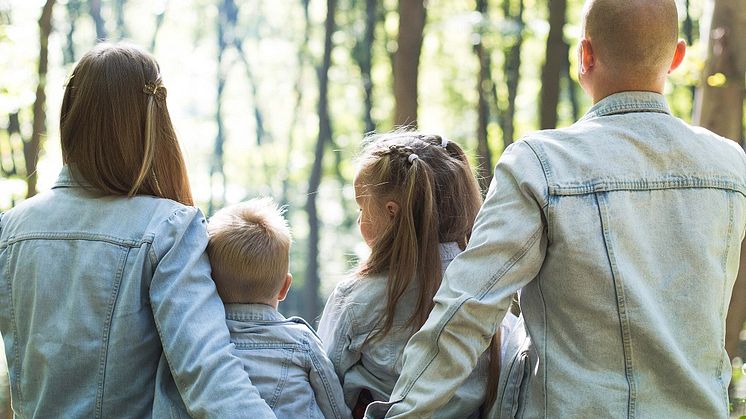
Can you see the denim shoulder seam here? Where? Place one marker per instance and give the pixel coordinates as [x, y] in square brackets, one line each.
[324, 379]
[16, 350]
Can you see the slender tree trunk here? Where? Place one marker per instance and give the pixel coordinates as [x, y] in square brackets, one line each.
[302, 58]
[11, 154]
[313, 304]
[407, 60]
[688, 29]
[363, 55]
[572, 87]
[73, 13]
[32, 148]
[122, 30]
[550, 74]
[98, 20]
[484, 89]
[719, 107]
[159, 18]
[217, 160]
[512, 67]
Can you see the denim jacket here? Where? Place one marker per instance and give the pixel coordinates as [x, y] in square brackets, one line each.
[624, 231]
[353, 312]
[286, 362]
[101, 297]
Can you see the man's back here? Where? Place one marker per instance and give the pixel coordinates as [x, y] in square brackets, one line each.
[644, 220]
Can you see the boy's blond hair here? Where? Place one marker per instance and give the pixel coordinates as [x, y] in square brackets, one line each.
[249, 251]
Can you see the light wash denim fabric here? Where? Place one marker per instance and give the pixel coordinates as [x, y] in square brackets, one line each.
[94, 290]
[353, 312]
[624, 231]
[286, 362]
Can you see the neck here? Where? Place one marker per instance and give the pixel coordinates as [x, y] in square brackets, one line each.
[607, 88]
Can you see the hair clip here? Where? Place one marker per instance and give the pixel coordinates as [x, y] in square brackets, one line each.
[412, 157]
[155, 89]
[444, 142]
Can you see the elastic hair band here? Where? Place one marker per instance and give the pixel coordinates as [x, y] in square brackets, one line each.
[444, 142]
[412, 157]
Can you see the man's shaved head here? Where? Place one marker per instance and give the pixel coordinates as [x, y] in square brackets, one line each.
[635, 38]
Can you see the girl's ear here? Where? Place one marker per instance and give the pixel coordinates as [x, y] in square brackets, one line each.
[392, 208]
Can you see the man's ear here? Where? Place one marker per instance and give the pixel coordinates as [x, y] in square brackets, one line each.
[285, 287]
[392, 208]
[678, 55]
[587, 59]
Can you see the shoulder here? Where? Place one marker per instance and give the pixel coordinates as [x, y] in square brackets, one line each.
[361, 290]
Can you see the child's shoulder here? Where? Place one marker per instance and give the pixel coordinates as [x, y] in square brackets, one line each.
[359, 289]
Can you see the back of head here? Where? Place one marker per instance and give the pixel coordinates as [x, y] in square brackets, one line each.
[115, 128]
[249, 251]
[431, 181]
[635, 38]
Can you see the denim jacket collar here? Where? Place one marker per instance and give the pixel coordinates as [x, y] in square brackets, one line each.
[67, 179]
[626, 102]
[255, 312]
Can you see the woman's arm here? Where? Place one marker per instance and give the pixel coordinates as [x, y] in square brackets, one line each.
[191, 323]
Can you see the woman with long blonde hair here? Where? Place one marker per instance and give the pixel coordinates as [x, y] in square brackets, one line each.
[107, 307]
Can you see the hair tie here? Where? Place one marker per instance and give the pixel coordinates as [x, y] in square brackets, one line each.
[412, 157]
[444, 142]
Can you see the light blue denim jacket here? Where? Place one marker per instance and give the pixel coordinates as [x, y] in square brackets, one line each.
[286, 362]
[102, 297]
[624, 231]
[353, 312]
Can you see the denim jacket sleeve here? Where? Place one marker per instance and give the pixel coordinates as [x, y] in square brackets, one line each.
[325, 383]
[335, 331]
[506, 251]
[190, 320]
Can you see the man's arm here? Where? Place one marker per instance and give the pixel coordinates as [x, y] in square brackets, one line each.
[505, 252]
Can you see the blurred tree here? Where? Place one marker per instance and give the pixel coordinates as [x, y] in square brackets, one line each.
[122, 30]
[33, 146]
[406, 63]
[720, 107]
[555, 58]
[73, 13]
[312, 307]
[94, 8]
[485, 87]
[363, 55]
[160, 16]
[512, 67]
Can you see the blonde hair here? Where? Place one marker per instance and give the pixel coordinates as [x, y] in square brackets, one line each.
[438, 197]
[115, 128]
[249, 251]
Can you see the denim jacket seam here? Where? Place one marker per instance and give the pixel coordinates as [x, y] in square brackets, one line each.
[324, 379]
[517, 256]
[724, 263]
[547, 172]
[106, 332]
[114, 240]
[621, 305]
[16, 350]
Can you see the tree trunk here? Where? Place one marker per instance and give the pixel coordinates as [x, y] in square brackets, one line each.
[122, 30]
[407, 59]
[98, 20]
[363, 55]
[484, 88]
[73, 13]
[719, 105]
[313, 304]
[511, 68]
[32, 148]
[159, 18]
[550, 74]
[217, 160]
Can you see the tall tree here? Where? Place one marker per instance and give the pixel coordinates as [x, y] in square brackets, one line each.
[94, 7]
[412, 17]
[33, 146]
[73, 13]
[313, 305]
[160, 16]
[512, 69]
[719, 107]
[363, 55]
[122, 30]
[552, 70]
[485, 86]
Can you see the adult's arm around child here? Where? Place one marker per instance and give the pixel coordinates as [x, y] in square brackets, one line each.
[191, 323]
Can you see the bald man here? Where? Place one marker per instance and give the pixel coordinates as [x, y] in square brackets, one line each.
[622, 234]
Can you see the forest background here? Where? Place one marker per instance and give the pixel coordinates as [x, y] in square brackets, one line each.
[273, 97]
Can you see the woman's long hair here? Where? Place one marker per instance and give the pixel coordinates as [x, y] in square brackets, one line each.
[115, 128]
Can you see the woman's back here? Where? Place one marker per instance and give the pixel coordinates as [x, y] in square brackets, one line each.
[78, 316]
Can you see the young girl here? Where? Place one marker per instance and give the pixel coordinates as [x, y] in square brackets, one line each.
[418, 200]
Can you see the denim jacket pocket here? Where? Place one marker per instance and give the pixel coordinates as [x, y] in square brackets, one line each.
[270, 367]
[515, 375]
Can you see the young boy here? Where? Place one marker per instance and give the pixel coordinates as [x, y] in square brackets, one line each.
[249, 251]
